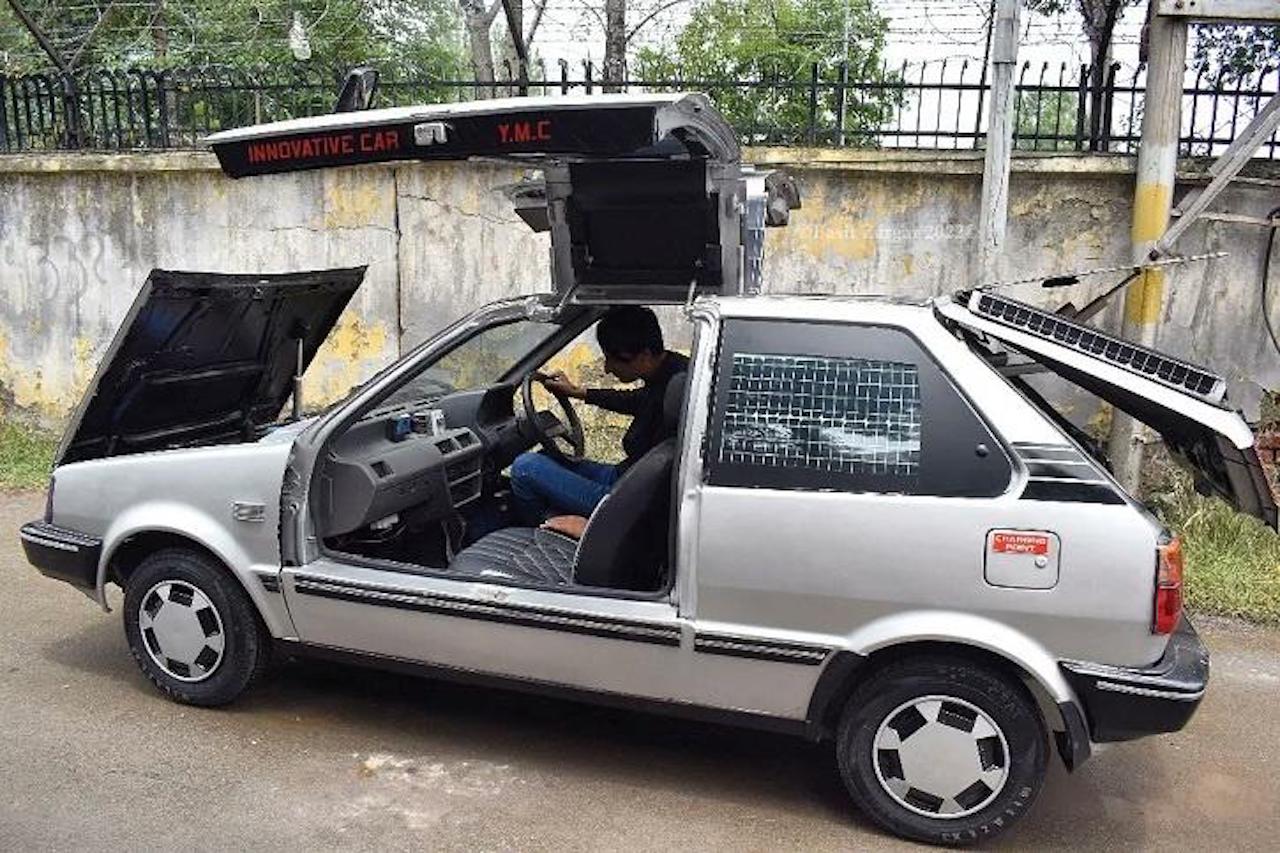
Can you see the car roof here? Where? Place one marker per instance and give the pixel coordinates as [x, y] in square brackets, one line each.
[394, 115]
[871, 308]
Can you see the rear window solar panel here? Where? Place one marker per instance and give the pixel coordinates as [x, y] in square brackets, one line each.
[1175, 373]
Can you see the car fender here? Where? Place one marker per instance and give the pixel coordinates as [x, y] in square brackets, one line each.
[948, 626]
[198, 526]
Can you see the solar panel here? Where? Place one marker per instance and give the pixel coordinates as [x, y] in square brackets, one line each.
[1173, 372]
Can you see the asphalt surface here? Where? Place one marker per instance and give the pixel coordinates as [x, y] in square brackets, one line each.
[320, 756]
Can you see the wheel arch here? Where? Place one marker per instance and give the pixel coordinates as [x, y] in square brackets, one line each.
[134, 548]
[979, 640]
[138, 533]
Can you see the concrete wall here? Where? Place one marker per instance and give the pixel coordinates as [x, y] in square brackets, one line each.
[79, 233]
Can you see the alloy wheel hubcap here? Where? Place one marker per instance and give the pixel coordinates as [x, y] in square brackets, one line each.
[182, 630]
[940, 757]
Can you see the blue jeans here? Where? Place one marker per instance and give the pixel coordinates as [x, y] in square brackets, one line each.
[542, 486]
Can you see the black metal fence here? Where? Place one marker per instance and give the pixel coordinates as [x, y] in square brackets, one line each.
[922, 105]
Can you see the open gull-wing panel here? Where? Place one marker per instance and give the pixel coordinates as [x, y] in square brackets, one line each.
[205, 358]
[644, 196]
[526, 129]
[1184, 403]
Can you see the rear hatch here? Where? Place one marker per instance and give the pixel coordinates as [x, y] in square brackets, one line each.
[644, 196]
[205, 358]
[1185, 404]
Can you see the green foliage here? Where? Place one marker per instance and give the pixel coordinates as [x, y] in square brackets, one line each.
[1232, 560]
[26, 456]
[1050, 114]
[406, 34]
[1239, 52]
[778, 40]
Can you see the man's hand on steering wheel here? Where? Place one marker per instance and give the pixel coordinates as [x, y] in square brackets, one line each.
[558, 383]
[564, 440]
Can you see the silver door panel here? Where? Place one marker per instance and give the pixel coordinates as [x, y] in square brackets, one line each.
[629, 647]
[829, 563]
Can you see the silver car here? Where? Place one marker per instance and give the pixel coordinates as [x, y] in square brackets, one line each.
[867, 528]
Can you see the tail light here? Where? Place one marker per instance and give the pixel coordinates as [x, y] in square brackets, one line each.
[1168, 586]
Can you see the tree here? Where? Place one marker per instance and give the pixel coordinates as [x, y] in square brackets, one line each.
[615, 43]
[478, 20]
[1099, 18]
[1237, 52]
[479, 24]
[234, 33]
[1043, 117]
[530, 32]
[779, 41]
[612, 18]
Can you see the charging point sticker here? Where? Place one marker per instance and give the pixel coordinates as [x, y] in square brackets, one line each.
[1020, 543]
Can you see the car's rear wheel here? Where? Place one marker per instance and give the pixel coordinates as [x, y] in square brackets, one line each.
[942, 750]
[192, 628]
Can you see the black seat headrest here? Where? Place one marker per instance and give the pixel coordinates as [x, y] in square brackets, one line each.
[673, 400]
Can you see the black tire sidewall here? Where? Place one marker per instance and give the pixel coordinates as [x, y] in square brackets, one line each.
[1005, 701]
[245, 650]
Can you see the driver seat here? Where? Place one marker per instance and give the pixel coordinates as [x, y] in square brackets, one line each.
[625, 542]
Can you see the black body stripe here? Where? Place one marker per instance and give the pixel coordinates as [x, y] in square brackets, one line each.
[271, 583]
[1049, 454]
[1062, 470]
[529, 617]
[1074, 492]
[772, 650]
[799, 727]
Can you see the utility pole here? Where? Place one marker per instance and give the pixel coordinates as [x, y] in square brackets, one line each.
[995, 169]
[1152, 203]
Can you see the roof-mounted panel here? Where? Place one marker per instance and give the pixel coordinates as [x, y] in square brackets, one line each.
[645, 197]
[659, 127]
[1165, 369]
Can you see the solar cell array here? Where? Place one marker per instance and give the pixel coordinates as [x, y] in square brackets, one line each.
[1137, 359]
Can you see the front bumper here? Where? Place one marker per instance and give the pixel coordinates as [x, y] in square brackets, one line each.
[61, 553]
[1122, 703]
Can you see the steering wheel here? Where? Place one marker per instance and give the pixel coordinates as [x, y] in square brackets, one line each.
[564, 443]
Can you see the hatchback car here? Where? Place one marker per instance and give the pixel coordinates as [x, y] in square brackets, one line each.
[867, 527]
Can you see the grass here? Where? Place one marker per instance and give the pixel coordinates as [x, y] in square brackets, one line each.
[1232, 561]
[26, 455]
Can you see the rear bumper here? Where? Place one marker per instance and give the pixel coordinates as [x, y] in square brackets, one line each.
[1122, 703]
[61, 553]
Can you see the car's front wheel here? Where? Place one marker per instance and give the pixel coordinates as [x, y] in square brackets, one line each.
[192, 628]
[942, 750]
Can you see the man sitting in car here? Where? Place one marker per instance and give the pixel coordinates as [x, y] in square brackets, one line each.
[562, 496]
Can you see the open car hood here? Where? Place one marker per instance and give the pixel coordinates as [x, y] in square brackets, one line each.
[1184, 403]
[205, 358]
[645, 196]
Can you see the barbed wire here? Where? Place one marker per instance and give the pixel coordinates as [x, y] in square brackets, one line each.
[567, 29]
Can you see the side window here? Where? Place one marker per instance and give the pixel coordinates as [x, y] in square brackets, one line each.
[824, 406]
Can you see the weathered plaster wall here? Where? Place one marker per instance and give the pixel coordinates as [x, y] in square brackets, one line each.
[79, 233]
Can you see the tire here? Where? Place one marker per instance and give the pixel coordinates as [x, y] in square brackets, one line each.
[933, 699]
[192, 629]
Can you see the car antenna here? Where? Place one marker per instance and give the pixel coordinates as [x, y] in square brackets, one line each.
[1067, 309]
[1074, 277]
[688, 299]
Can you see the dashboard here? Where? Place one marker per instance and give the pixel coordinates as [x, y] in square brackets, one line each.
[392, 459]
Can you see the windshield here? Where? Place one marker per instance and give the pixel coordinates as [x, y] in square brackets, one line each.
[478, 362]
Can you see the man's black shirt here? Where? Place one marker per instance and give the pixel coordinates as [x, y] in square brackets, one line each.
[645, 405]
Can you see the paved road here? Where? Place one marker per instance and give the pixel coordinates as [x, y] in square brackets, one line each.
[92, 758]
